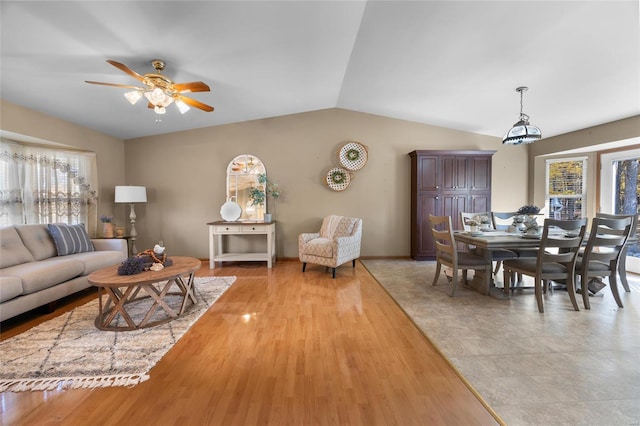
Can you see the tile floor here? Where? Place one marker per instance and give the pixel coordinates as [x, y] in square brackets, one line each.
[561, 367]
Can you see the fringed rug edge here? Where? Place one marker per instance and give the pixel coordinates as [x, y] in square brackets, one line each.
[63, 383]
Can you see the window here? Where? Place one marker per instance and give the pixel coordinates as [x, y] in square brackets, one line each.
[626, 196]
[44, 185]
[566, 187]
[620, 191]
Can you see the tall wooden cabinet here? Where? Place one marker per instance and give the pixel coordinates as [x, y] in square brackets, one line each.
[445, 183]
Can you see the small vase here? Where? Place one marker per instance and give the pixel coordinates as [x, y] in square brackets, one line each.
[107, 229]
[267, 217]
[473, 228]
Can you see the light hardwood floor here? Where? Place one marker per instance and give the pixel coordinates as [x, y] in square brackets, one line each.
[279, 347]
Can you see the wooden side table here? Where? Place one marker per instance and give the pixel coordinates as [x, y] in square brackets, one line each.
[217, 230]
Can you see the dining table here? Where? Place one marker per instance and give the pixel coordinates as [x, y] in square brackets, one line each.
[488, 241]
[485, 243]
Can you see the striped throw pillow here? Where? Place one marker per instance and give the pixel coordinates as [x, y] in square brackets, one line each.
[70, 239]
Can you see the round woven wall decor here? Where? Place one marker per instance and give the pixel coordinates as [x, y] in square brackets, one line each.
[353, 156]
[338, 179]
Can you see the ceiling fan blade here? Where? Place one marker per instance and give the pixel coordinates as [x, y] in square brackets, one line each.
[194, 103]
[126, 69]
[194, 86]
[114, 85]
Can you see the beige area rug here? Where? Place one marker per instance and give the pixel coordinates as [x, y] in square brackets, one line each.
[562, 367]
[69, 352]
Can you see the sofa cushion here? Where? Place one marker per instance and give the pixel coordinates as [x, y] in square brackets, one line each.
[95, 260]
[10, 287]
[38, 240]
[44, 273]
[70, 239]
[12, 250]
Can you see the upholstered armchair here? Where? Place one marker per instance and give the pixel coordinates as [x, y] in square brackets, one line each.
[337, 242]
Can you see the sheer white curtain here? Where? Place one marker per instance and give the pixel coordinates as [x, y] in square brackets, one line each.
[45, 185]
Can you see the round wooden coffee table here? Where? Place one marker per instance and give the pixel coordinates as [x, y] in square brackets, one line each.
[120, 294]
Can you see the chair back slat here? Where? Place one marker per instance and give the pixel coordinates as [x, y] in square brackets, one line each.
[634, 221]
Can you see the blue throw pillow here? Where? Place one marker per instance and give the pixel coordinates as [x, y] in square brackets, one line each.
[70, 239]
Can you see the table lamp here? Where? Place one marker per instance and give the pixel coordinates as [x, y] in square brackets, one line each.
[131, 195]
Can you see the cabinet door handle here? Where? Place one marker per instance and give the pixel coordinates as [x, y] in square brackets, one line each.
[437, 198]
[437, 187]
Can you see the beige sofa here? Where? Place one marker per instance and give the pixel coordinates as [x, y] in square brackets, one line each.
[32, 274]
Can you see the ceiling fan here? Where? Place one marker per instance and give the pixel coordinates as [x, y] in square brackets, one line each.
[159, 90]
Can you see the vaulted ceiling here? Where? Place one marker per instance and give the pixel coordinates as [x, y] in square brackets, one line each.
[454, 64]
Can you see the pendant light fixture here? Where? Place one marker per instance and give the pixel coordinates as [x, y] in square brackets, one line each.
[522, 131]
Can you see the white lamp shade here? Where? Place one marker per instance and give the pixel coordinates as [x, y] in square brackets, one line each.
[133, 96]
[131, 194]
[182, 107]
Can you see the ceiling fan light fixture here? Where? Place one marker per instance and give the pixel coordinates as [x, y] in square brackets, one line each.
[522, 132]
[155, 96]
[133, 96]
[182, 107]
[159, 90]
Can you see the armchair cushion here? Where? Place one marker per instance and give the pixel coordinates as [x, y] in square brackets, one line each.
[323, 247]
[337, 226]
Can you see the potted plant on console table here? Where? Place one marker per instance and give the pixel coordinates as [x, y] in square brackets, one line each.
[265, 188]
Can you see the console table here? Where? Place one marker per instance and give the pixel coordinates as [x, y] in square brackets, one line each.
[217, 230]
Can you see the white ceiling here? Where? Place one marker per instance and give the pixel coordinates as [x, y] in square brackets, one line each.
[448, 63]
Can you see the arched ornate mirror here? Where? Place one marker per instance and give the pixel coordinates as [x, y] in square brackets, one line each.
[242, 176]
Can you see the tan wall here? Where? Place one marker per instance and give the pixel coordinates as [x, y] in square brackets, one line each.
[109, 150]
[185, 176]
[185, 172]
[620, 130]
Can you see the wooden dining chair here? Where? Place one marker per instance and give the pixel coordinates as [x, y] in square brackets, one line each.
[622, 266]
[447, 253]
[497, 255]
[556, 258]
[600, 258]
